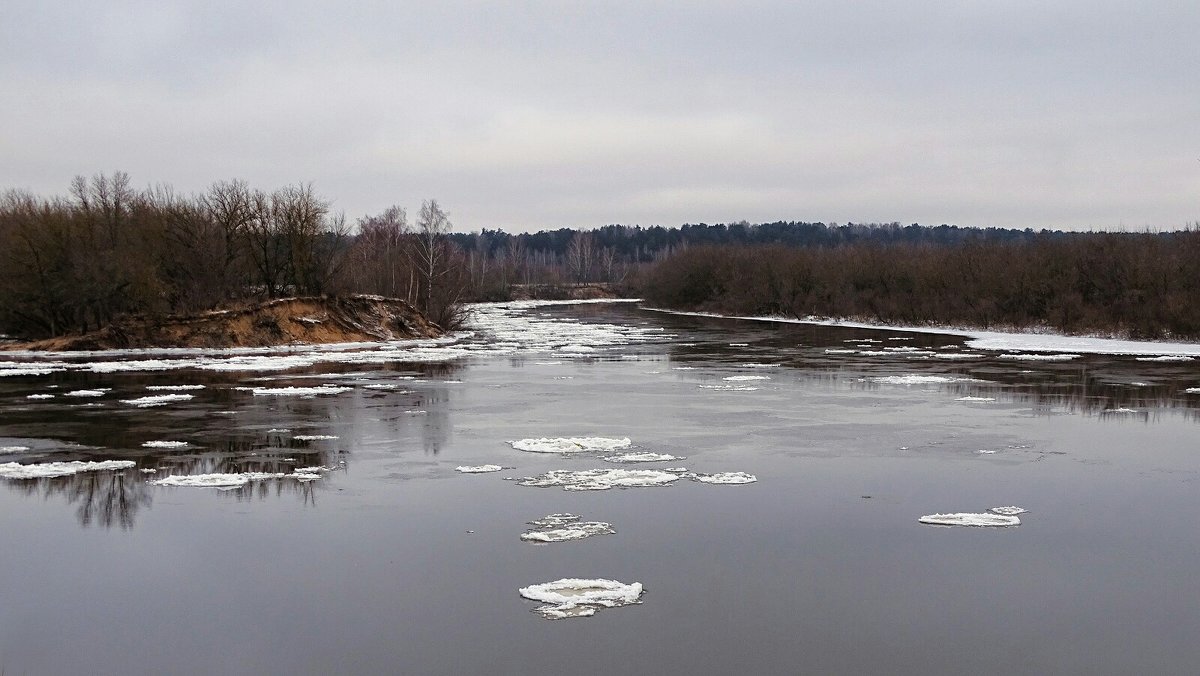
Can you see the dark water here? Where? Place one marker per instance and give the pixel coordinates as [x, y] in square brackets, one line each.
[395, 563]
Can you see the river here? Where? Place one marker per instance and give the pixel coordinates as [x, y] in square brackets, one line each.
[358, 548]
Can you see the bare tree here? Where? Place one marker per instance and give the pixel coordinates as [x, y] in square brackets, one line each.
[581, 251]
[428, 254]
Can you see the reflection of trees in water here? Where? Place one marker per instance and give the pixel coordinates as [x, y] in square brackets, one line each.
[103, 498]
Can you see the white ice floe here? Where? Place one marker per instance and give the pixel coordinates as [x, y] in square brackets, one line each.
[1167, 357]
[730, 388]
[1119, 411]
[915, 379]
[12, 470]
[27, 370]
[565, 527]
[745, 378]
[571, 444]
[39, 396]
[641, 457]
[173, 388]
[838, 350]
[547, 363]
[1029, 356]
[728, 478]
[87, 393]
[13, 449]
[600, 479]
[156, 400]
[1008, 511]
[299, 391]
[575, 597]
[148, 470]
[1193, 390]
[957, 355]
[969, 519]
[477, 469]
[984, 451]
[165, 444]
[232, 480]
[759, 365]
[313, 437]
[976, 399]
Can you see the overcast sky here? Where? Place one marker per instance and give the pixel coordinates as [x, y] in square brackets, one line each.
[533, 115]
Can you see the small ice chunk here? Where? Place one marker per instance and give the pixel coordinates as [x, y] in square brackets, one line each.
[87, 393]
[1118, 411]
[313, 437]
[574, 531]
[957, 355]
[575, 597]
[39, 396]
[976, 399]
[1008, 511]
[13, 449]
[600, 479]
[641, 457]
[1193, 390]
[278, 430]
[547, 363]
[835, 350]
[156, 400]
[173, 388]
[1166, 357]
[915, 379]
[216, 480]
[148, 470]
[477, 469]
[984, 451]
[571, 444]
[969, 519]
[165, 444]
[1021, 356]
[730, 388]
[12, 470]
[299, 391]
[727, 478]
[745, 378]
[555, 520]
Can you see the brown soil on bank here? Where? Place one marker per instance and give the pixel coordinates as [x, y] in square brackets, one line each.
[277, 322]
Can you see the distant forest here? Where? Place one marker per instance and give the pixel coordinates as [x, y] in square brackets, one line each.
[106, 250]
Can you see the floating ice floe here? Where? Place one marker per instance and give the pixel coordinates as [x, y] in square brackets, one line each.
[87, 393]
[1008, 511]
[13, 449]
[1119, 411]
[1167, 357]
[970, 519]
[759, 365]
[228, 480]
[571, 444]
[314, 437]
[477, 469]
[957, 355]
[299, 391]
[1022, 356]
[984, 451]
[173, 388]
[12, 470]
[745, 378]
[1193, 390]
[914, 379]
[278, 430]
[641, 457]
[976, 399]
[730, 388]
[727, 478]
[39, 396]
[156, 400]
[165, 444]
[27, 371]
[565, 527]
[600, 479]
[574, 597]
[839, 350]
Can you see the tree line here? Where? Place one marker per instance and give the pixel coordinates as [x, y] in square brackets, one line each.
[77, 262]
[1143, 285]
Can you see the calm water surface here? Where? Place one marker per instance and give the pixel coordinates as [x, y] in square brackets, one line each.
[395, 563]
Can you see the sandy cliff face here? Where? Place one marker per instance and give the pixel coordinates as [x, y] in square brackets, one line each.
[277, 322]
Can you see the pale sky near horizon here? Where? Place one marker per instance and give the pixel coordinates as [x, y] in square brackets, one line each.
[533, 115]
